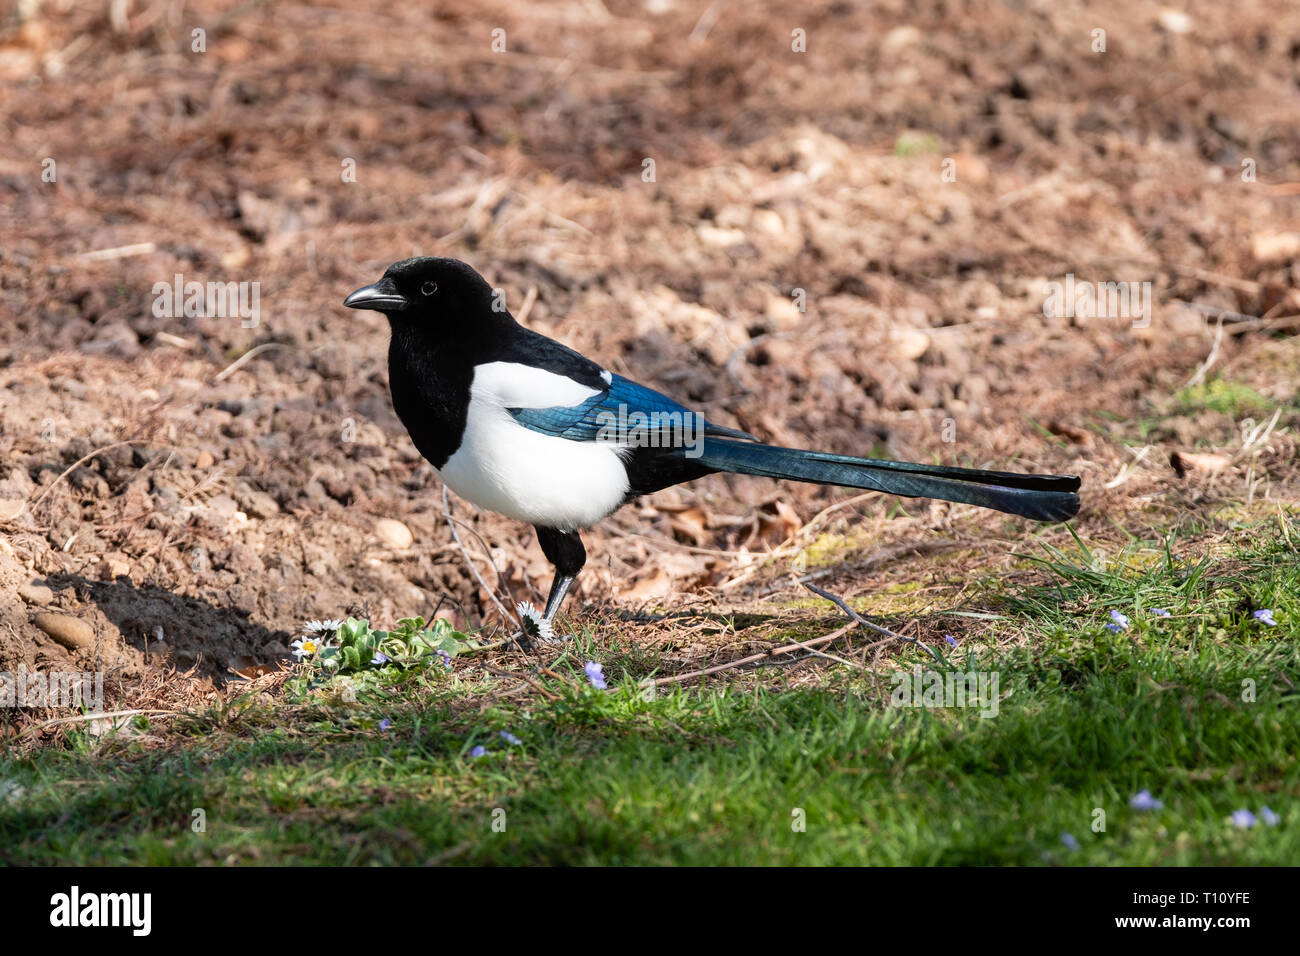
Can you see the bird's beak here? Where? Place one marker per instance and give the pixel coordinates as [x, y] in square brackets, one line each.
[382, 296]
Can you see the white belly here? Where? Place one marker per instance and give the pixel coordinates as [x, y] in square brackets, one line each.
[512, 470]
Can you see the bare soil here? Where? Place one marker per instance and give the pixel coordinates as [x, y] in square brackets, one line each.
[195, 511]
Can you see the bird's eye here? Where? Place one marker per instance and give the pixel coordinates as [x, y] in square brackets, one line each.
[429, 288]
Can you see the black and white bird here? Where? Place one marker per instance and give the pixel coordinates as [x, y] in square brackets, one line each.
[521, 425]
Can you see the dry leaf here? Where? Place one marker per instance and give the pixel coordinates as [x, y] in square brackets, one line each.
[691, 523]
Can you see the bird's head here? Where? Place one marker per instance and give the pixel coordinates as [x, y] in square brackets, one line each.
[442, 295]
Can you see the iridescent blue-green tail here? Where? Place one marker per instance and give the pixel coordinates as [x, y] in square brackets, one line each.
[1041, 497]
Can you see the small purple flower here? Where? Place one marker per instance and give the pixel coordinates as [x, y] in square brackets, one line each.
[385, 724]
[1243, 819]
[1266, 616]
[952, 641]
[595, 674]
[510, 738]
[479, 751]
[379, 658]
[1118, 622]
[1270, 818]
[1070, 842]
[1143, 800]
[1160, 612]
[446, 659]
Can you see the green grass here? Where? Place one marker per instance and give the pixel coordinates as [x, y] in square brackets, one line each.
[711, 776]
[1223, 395]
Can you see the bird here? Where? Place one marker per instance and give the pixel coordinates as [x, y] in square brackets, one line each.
[520, 424]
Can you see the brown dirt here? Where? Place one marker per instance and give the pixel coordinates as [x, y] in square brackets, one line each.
[196, 516]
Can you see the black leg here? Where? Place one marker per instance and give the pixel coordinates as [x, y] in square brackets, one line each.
[559, 588]
[564, 550]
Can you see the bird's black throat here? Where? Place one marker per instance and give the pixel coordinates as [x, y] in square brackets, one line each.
[430, 383]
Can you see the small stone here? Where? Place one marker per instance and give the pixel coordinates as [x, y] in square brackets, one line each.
[394, 534]
[1184, 462]
[236, 258]
[254, 503]
[112, 567]
[73, 633]
[970, 169]
[900, 38]
[34, 593]
[769, 221]
[10, 508]
[909, 344]
[1274, 248]
[116, 338]
[720, 238]
[205, 459]
[783, 311]
[1174, 21]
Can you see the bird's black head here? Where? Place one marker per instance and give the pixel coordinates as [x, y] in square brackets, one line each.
[441, 295]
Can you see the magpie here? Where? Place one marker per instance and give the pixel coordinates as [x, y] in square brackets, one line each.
[521, 425]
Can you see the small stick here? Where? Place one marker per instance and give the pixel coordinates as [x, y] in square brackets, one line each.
[854, 615]
[529, 298]
[754, 658]
[1211, 358]
[238, 363]
[451, 523]
[523, 677]
[28, 506]
[112, 713]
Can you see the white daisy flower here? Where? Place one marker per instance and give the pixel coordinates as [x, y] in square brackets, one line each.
[535, 625]
[317, 627]
[305, 647]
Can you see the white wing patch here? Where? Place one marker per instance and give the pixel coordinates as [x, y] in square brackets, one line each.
[526, 475]
[512, 385]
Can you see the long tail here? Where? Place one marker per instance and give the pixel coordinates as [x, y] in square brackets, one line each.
[1041, 497]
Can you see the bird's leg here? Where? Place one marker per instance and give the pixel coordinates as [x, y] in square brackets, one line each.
[559, 588]
[564, 550]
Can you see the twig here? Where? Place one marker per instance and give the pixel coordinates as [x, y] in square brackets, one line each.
[112, 713]
[854, 615]
[1211, 358]
[704, 25]
[549, 695]
[451, 523]
[754, 658]
[239, 363]
[529, 298]
[120, 252]
[1127, 469]
[556, 218]
[28, 506]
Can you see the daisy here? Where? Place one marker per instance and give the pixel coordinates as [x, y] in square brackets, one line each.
[305, 646]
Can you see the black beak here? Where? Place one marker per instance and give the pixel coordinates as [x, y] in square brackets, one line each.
[382, 296]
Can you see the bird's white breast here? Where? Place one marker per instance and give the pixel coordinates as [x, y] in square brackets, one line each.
[526, 475]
